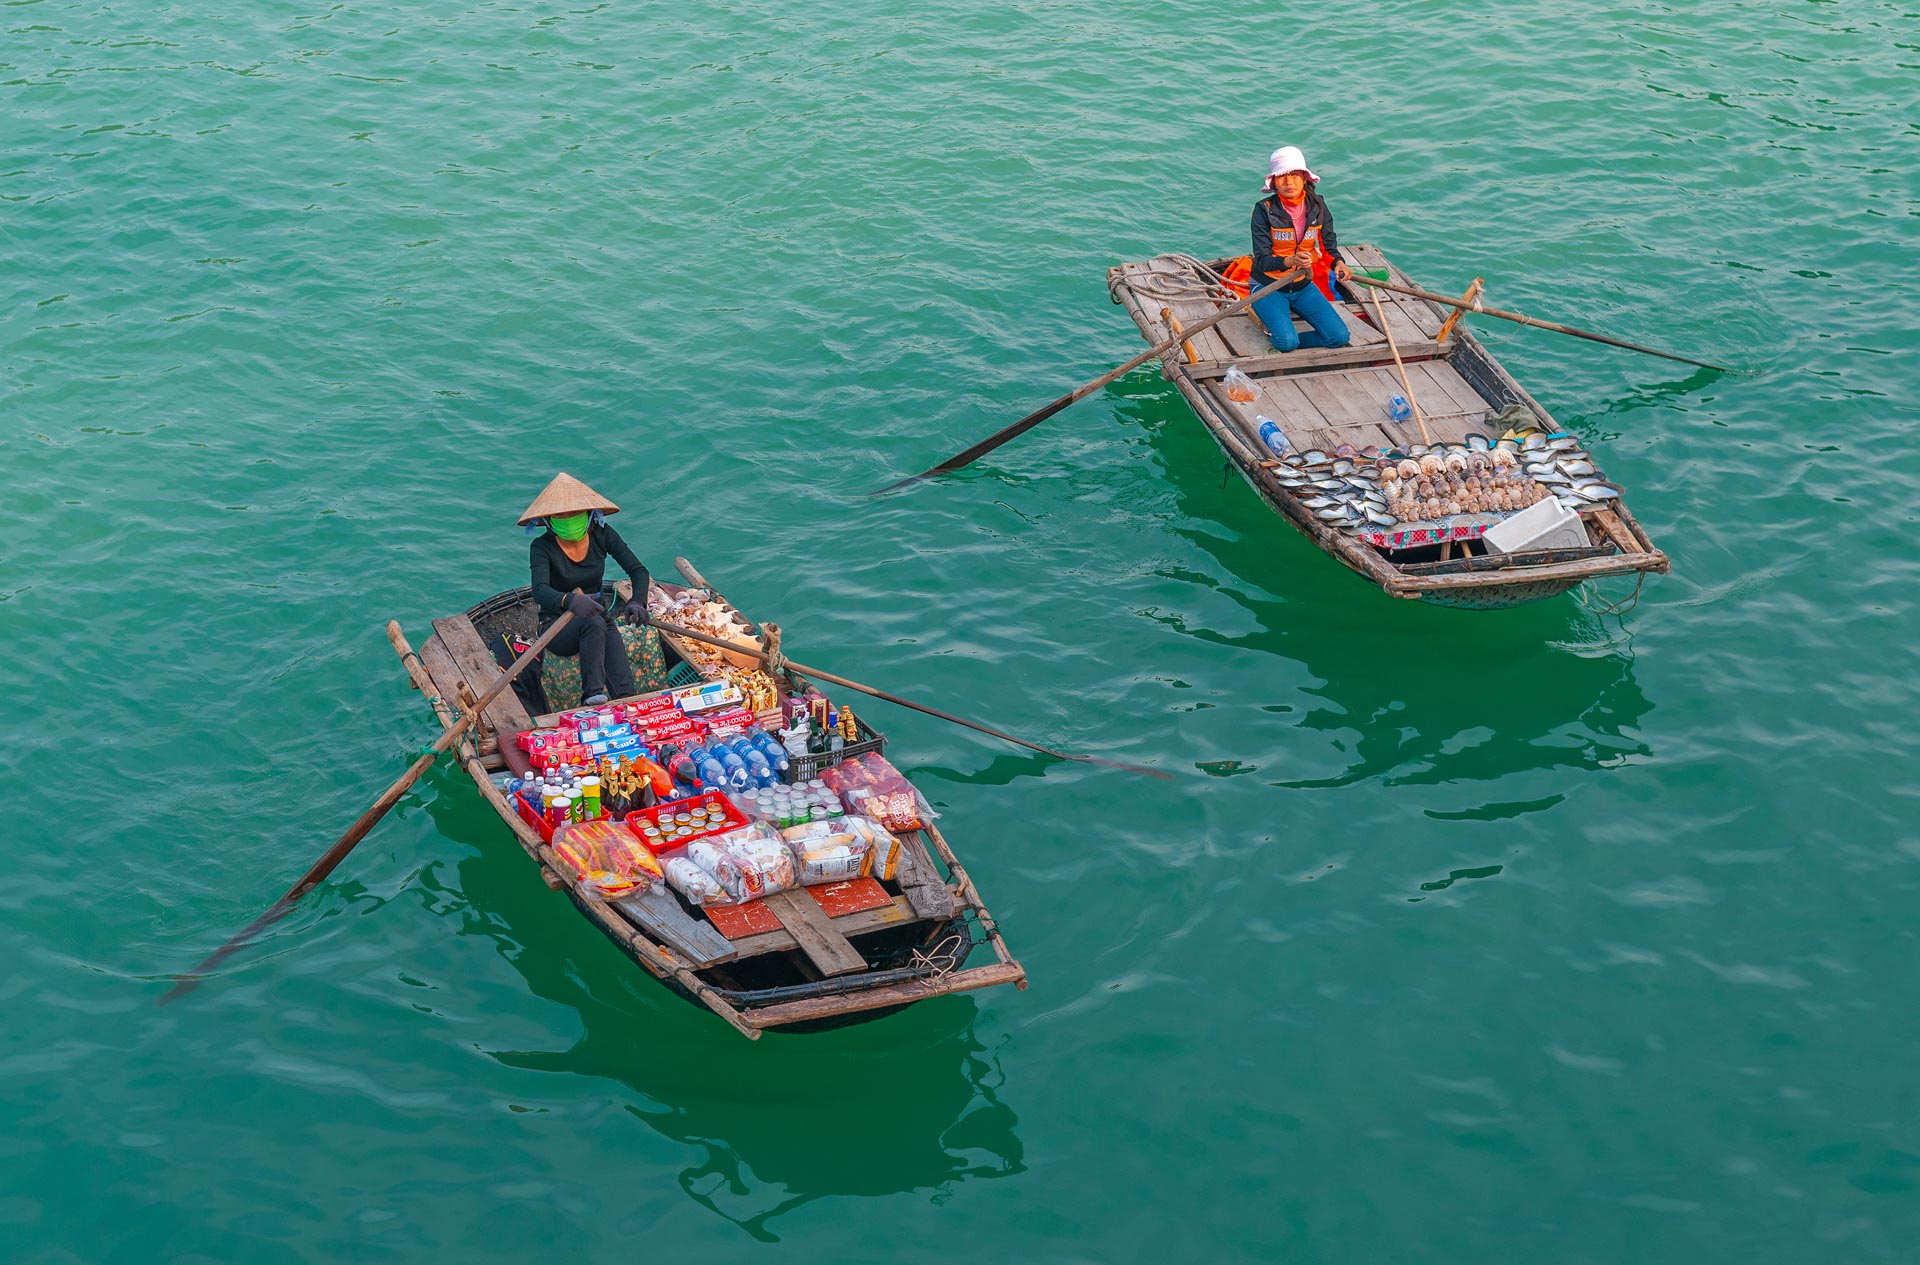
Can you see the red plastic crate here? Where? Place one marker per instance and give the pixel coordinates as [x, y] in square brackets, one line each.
[651, 817]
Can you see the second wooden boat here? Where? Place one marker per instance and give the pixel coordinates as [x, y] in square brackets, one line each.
[1336, 400]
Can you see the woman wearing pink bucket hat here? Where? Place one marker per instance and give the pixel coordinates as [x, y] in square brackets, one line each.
[1293, 229]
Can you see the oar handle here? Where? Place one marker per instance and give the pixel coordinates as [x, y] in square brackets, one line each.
[1518, 318]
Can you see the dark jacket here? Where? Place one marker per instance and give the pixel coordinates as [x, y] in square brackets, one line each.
[1267, 213]
[555, 575]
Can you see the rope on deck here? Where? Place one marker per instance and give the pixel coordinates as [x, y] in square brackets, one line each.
[1192, 279]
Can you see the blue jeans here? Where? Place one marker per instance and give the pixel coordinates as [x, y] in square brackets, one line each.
[1277, 310]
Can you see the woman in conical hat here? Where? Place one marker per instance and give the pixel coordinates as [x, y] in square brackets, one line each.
[569, 565]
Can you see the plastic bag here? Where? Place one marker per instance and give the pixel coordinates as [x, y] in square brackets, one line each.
[699, 887]
[872, 787]
[837, 850]
[1240, 388]
[747, 864]
[605, 856]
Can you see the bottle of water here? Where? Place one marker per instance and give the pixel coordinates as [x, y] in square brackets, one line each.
[1270, 436]
[1398, 408]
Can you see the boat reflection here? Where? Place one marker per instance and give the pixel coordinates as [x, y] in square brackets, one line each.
[1434, 695]
[907, 1103]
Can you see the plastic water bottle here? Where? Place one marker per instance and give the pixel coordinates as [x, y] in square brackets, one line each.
[1398, 408]
[1270, 436]
[712, 771]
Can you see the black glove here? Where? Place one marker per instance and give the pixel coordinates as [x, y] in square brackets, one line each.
[584, 607]
[633, 611]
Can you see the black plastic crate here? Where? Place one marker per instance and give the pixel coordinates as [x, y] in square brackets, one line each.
[807, 767]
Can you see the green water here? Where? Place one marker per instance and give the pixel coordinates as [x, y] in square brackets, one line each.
[1530, 936]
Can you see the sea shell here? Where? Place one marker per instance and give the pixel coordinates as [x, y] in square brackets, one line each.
[1535, 442]
[1409, 469]
[1314, 457]
[1432, 463]
[1424, 488]
[1371, 451]
[1346, 450]
[1576, 467]
[1417, 451]
[1476, 442]
[1455, 461]
[1344, 466]
[1503, 459]
[1563, 442]
[1390, 476]
[1450, 508]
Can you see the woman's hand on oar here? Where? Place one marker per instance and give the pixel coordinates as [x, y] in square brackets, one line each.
[1518, 319]
[185, 984]
[1033, 419]
[741, 647]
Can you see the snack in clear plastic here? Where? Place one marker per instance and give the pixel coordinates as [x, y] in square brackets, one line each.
[871, 786]
[1239, 386]
[699, 887]
[747, 863]
[605, 856]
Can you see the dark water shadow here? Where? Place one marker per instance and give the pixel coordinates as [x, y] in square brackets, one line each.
[909, 1102]
[1435, 695]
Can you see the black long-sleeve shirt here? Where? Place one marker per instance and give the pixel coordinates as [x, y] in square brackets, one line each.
[555, 575]
[1268, 212]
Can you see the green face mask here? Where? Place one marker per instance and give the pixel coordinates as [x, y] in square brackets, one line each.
[570, 527]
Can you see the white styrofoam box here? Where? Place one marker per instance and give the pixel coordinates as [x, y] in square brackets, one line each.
[1546, 524]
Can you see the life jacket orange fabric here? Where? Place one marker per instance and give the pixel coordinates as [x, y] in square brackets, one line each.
[1239, 275]
[1284, 244]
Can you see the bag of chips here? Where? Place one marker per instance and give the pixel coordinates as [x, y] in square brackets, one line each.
[872, 787]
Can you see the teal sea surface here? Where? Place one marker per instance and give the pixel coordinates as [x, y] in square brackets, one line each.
[1544, 935]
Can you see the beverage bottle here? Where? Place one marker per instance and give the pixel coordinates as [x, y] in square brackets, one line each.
[1398, 408]
[712, 771]
[737, 775]
[1270, 436]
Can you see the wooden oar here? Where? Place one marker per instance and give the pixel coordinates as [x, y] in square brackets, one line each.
[741, 647]
[184, 984]
[1476, 306]
[1033, 419]
[1393, 346]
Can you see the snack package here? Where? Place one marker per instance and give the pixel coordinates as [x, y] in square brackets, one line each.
[747, 863]
[843, 848]
[694, 883]
[872, 787]
[606, 857]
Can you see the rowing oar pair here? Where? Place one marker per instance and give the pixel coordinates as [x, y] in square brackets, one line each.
[184, 984]
[970, 455]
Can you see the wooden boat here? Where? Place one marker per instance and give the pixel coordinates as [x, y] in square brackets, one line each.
[1323, 398]
[815, 967]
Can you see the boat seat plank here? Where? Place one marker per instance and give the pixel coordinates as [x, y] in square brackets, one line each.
[504, 715]
[920, 880]
[894, 913]
[657, 912]
[830, 952]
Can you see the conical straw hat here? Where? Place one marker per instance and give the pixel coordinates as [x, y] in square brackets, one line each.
[566, 495]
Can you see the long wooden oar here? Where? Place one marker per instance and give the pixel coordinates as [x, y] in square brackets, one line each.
[184, 984]
[741, 647]
[1518, 319]
[1413, 401]
[1033, 419]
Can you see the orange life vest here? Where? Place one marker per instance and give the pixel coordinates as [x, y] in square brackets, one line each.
[1284, 244]
[1239, 275]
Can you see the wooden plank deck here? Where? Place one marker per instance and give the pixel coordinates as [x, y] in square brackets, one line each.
[830, 952]
[476, 666]
[657, 912]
